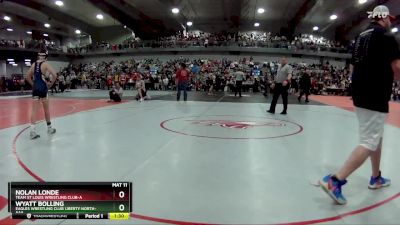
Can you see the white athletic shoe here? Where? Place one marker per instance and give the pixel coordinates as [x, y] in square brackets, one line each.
[51, 130]
[34, 135]
[141, 100]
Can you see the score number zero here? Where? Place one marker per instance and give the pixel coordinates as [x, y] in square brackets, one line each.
[121, 194]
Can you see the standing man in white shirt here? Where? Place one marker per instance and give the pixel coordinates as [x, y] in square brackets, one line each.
[281, 86]
[239, 78]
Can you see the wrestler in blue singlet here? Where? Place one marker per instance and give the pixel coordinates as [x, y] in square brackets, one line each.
[39, 83]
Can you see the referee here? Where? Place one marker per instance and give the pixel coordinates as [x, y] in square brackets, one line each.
[281, 86]
[239, 78]
[374, 65]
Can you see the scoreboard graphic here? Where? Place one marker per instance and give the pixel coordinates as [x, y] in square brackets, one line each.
[70, 200]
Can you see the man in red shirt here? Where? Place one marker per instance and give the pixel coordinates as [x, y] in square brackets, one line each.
[182, 82]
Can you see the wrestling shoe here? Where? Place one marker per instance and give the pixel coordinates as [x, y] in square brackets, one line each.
[34, 135]
[51, 130]
[333, 187]
[378, 182]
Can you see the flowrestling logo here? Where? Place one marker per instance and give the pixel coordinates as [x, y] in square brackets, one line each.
[231, 127]
[381, 15]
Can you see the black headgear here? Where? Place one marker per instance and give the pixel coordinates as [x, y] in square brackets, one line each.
[43, 52]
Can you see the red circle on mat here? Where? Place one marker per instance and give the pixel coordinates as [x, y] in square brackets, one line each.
[232, 127]
[180, 222]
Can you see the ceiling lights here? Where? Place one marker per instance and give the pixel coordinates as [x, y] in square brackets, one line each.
[99, 16]
[175, 10]
[189, 23]
[362, 1]
[260, 10]
[7, 18]
[256, 24]
[77, 32]
[395, 30]
[46, 35]
[47, 25]
[10, 60]
[333, 17]
[315, 28]
[59, 3]
[10, 29]
[29, 32]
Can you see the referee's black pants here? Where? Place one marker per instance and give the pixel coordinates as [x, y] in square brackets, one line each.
[280, 90]
[239, 85]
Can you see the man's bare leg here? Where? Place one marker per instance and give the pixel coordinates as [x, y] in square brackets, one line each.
[377, 181]
[35, 106]
[46, 109]
[140, 95]
[356, 159]
[376, 160]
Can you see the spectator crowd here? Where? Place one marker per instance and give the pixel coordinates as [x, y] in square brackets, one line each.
[194, 39]
[202, 39]
[206, 75]
[31, 44]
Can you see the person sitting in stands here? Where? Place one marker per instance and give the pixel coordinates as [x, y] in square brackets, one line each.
[116, 93]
